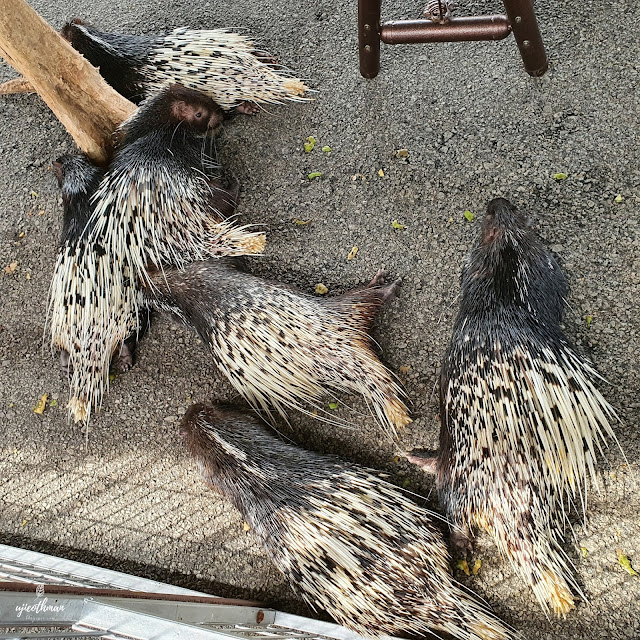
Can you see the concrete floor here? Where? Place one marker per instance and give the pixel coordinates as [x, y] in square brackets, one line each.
[475, 126]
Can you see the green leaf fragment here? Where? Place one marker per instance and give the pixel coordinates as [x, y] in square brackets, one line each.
[396, 225]
[619, 198]
[315, 174]
[560, 176]
[333, 405]
[326, 149]
[584, 551]
[53, 403]
[589, 320]
[309, 144]
[469, 216]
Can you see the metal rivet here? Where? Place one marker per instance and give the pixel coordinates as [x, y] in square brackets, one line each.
[526, 43]
[367, 48]
[518, 19]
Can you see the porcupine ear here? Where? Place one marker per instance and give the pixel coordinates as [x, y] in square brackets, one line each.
[67, 32]
[57, 170]
[189, 418]
[180, 98]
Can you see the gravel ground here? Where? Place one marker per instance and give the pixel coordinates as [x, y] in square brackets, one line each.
[475, 126]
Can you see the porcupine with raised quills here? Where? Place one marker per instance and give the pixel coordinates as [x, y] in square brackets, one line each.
[347, 541]
[521, 417]
[278, 347]
[222, 64]
[78, 179]
[157, 204]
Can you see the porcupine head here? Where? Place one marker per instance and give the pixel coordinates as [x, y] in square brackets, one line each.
[175, 106]
[509, 268]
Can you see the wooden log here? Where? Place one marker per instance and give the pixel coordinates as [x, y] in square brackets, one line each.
[85, 104]
[17, 85]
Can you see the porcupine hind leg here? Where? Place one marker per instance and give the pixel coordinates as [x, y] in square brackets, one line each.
[225, 200]
[65, 367]
[386, 292]
[357, 309]
[126, 358]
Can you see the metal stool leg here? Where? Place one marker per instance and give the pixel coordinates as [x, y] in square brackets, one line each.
[369, 37]
[527, 34]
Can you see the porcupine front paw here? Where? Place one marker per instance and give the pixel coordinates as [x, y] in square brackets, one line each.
[248, 108]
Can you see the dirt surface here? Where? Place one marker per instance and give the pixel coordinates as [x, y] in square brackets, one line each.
[475, 127]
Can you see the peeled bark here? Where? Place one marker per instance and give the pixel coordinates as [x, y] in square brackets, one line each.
[17, 85]
[85, 104]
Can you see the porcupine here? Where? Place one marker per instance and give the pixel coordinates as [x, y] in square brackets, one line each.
[278, 347]
[156, 205]
[521, 418]
[78, 179]
[218, 62]
[347, 541]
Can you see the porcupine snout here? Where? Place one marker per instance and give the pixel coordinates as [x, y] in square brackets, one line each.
[501, 217]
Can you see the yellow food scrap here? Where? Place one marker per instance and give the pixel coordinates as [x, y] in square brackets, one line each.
[402, 153]
[397, 225]
[321, 289]
[302, 222]
[352, 253]
[246, 527]
[10, 268]
[619, 198]
[381, 173]
[476, 567]
[584, 551]
[463, 565]
[560, 176]
[309, 144]
[42, 403]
